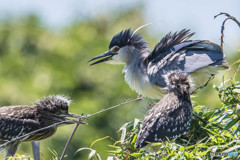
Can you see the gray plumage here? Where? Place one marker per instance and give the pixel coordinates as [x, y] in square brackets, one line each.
[171, 116]
[144, 69]
[16, 121]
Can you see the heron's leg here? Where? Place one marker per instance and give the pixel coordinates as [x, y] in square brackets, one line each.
[36, 150]
[11, 150]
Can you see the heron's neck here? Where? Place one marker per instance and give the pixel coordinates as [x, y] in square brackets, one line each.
[134, 70]
[136, 74]
[135, 66]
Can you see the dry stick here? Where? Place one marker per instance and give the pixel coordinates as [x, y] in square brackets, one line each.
[222, 28]
[123, 103]
[90, 115]
[69, 141]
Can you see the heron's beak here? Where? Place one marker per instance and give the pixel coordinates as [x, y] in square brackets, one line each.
[108, 55]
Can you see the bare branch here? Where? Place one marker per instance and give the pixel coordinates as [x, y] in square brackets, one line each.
[223, 24]
[123, 103]
[69, 141]
[90, 115]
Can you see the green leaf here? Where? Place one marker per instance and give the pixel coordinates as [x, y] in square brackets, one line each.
[210, 131]
[100, 139]
[116, 147]
[223, 77]
[136, 121]
[234, 75]
[231, 123]
[123, 135]
[238, 129]
[238, 61]
[98, 157]
[202, 153]
[81, 149]
[124, 126]
[134, 140]
[190, 147]
[232, 148]
[137, 155]
[112, 158]
[92, 154]
[215, 87]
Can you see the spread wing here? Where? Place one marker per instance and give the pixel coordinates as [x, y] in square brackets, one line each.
[168, 118]
[169, 43]
[176, 52]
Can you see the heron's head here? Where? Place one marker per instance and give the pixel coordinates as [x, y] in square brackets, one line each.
[56, 106]
[123, 47]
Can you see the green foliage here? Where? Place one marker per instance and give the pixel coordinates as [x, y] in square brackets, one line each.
[93, 155]
[36, 61]
[20, 157]
[229, 90]
[212, 130]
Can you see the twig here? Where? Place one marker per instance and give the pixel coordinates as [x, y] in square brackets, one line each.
[123, 103]
[90, 115]
[68, 142]
[223, 27]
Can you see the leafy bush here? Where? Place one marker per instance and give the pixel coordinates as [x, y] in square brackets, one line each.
[211, 131]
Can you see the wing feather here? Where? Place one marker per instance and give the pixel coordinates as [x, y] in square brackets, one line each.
[176, 53]
[167, 43]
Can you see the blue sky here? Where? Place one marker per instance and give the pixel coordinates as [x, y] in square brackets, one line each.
[171, 15]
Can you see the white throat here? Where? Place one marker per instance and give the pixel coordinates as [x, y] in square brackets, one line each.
[136, 75]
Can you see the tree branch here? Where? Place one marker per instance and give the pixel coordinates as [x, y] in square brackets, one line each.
[90, 115]
[223, 24]
[123, 103]
[69, 141]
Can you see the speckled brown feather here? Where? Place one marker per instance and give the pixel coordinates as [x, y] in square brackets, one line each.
[17, 121]
[171, 116]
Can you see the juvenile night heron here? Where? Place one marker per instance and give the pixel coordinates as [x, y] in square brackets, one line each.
[144, 70]
[16, 121]
[171, 116]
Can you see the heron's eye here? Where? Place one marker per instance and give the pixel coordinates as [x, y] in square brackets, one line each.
[115, 49]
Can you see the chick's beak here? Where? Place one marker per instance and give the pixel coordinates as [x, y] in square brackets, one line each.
[108, 55]
[72, 115]
[72, 121]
